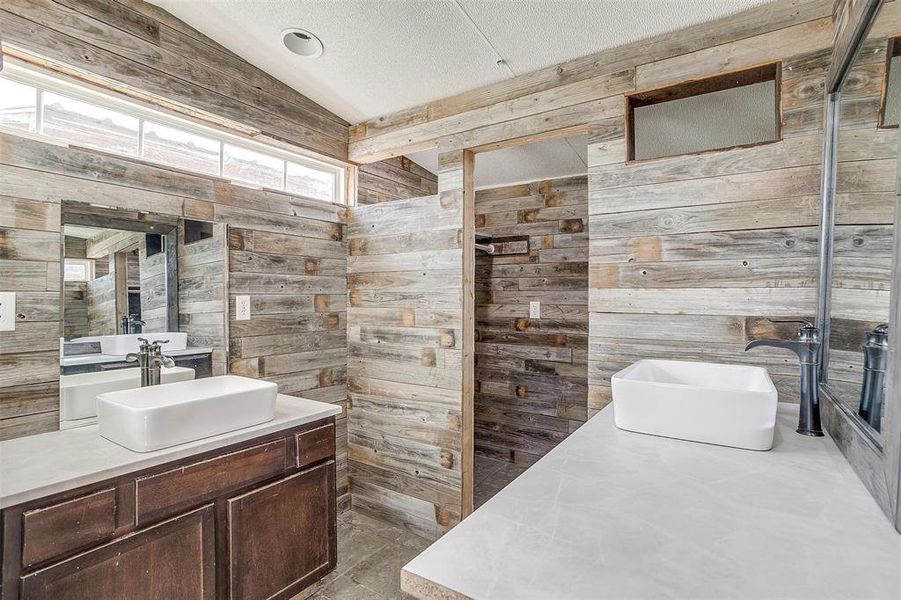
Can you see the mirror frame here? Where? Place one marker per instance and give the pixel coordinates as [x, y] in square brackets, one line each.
[79, 213]
[875, 458]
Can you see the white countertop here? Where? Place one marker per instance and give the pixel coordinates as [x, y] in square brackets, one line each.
[614, 514]
[48, 463]
[92, 359]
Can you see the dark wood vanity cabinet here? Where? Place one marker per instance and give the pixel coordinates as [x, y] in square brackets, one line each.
[252, 520]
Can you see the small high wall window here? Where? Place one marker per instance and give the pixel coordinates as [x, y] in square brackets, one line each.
[78, 269]
[890, 106]
[731, 110]
[35, 103]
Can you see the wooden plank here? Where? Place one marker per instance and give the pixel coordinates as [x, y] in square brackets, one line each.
[735, 27]
[79, 51]
[705, 301]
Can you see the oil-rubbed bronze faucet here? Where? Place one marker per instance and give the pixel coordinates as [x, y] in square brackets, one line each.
[150, 358]
[807, 347]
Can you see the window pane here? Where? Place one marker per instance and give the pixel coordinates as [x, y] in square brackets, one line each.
[253, 167]
[85, 124]
[178, 148]
[310, 182]
[75, 271]
[17, 105]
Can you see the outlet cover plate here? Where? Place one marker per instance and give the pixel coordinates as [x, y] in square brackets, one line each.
[7, 311]
[242, 308]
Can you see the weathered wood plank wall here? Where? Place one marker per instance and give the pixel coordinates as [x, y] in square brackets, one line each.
[148, 52]
[29, 357]
[288, 253]
[394, 179]
[203, 293]
[405, 375]
[688, 255]
[531, 374]
[569, 95]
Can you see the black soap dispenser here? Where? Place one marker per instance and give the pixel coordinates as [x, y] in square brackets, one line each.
[872, 394]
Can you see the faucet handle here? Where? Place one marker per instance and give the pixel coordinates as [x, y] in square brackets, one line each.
[131, 357]
[803, 322]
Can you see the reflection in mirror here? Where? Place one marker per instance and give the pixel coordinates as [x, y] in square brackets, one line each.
[114, 282]
[864, 229]
[890, 110]
[129, 275]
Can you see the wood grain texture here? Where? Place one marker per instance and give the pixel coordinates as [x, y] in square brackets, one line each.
[286, 252]
[689, 254]
[405, 421]
[531, 373]
[572, 94]
[147, 53]
[394, 179]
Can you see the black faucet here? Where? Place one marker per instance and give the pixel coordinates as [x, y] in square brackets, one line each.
[807, 347]
[872, 393]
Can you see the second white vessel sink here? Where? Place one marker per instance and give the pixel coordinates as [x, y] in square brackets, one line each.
[729, 405]
[78, 393]
[123, 344]
[166, 415]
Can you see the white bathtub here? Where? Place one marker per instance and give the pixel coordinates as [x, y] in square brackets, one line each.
[728, 405]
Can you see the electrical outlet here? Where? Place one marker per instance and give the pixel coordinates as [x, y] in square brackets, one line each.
[534, 310]
[7, 311]
[242, 308]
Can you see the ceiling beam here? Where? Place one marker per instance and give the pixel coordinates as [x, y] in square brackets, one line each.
[560, 87]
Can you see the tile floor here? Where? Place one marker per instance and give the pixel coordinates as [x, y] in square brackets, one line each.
[370, 556]
[491, 476]
[371, 553]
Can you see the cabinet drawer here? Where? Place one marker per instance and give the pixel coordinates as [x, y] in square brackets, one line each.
[315, 444]
[163, 494]
[68, 526]
[173, 560]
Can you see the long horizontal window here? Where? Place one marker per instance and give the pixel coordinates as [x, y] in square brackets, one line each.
[83, 116]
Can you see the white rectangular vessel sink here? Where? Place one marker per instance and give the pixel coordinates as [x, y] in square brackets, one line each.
[78, 393]
[123, 344]
[729, 405]
[166, 415]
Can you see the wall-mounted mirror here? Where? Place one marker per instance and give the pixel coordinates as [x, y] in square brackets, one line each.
[129, 275]
[863, 233]
[859, 254]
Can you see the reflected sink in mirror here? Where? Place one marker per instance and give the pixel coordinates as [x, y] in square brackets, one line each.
[727, 405]
[156, 417]
[78, 393]
[120, 345]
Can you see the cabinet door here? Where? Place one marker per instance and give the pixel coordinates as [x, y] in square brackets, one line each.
[281, 537]
[175, 559]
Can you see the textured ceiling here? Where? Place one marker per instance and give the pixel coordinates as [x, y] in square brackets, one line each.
[385, 55]
[382, 56]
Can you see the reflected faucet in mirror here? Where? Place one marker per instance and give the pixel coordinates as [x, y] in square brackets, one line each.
[150, 358]
[807, 347]
[132, 324]
[872, 393]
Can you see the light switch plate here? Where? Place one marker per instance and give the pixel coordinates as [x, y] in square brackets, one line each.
[242, 308]
[534, 310]
[7, 311]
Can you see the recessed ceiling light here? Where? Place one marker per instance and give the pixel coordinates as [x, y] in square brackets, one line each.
[302, 43]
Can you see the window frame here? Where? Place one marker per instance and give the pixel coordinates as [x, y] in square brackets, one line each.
[771, 71]
[58, 84]
[89, 269]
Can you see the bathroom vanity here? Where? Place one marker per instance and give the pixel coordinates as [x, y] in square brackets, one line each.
[246, 514]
